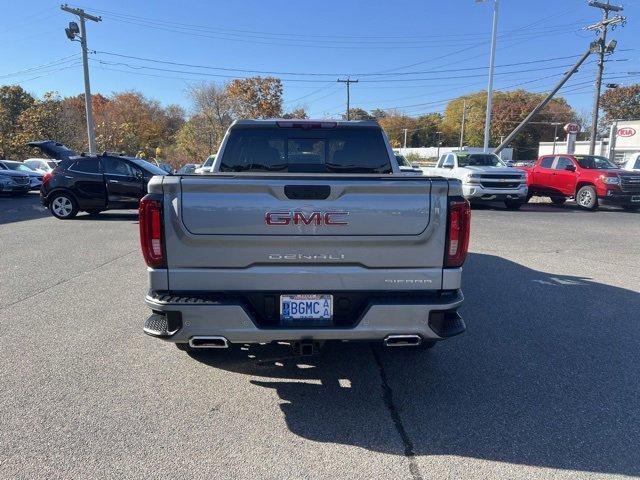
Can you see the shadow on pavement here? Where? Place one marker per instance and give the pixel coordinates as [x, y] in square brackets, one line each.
[544, 207]
[545, 376]
[109, 216]
[21, 208]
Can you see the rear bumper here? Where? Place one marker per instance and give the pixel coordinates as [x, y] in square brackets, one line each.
[178, 319]
[476, 193]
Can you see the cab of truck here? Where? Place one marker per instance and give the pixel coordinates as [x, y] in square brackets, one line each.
[591, 180]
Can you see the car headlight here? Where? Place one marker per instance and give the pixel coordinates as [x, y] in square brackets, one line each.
[472, 178]
[611, 180]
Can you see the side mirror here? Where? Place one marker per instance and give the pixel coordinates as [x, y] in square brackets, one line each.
[570, 168]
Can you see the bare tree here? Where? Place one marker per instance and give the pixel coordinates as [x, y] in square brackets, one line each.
[212, 103]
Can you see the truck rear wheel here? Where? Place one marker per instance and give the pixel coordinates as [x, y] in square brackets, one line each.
[558, 200]
[587, 197]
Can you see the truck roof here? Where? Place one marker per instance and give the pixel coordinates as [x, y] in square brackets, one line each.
[290, 122]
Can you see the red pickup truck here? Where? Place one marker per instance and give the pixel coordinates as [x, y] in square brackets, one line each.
[590, 179]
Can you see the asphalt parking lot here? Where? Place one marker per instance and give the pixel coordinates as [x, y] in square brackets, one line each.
[544, 383]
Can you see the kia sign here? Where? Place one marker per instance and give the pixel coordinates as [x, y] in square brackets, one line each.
[626, 132]
[572, 128]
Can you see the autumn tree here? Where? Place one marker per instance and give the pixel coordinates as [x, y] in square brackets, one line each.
[298, 112]
[394, 125]
[426, 132]
[622, 103]
[509, 108]
[256, 97]
[42, 120]
[194, 139]
[358, 114]
[13, 101]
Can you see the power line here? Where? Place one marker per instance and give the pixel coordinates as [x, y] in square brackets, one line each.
[331, 74]
[243, 34]
[52, 63]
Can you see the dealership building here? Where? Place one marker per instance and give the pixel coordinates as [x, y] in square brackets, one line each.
[623, 142]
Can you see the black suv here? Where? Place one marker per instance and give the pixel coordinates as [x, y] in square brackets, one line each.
[96, 183]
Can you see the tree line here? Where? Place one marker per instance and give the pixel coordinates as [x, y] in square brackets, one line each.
[133, 124]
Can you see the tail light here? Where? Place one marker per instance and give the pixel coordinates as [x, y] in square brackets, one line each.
[151, 232]
[46, 178]
[458, 229]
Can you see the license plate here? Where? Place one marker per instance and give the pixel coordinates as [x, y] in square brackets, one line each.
[635, 198]
[306, 307]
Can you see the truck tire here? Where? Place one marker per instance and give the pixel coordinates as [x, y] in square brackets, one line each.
[587, 197]
[512, 204]
[558, 200]
[63, 206]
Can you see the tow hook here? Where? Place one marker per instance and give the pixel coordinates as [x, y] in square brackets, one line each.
[306, 347]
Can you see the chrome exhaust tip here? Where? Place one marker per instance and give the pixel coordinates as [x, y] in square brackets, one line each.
[208, 342]
[402, 340]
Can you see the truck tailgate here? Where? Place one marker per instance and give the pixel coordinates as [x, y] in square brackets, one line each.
[328, 229]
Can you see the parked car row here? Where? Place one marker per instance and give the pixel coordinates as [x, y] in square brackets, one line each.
[34, 177]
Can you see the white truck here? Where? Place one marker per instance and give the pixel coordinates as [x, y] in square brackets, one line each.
[484, 177]
[633, 163]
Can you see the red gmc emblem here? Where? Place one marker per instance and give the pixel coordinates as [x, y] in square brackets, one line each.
[626, 132]
[295, 217]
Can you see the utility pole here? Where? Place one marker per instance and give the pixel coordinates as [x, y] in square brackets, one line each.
[405, 137]
[439, 143]
[348, 81]
[492, 61]
[603, 48]
[72, 32]
[546, 100]
[464, 119]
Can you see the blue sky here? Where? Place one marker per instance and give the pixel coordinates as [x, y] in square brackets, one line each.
[428, 51]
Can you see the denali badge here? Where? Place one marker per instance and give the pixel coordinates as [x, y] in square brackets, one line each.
[295, 217]
[306, 256]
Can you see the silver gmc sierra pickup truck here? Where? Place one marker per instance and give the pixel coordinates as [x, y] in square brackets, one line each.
[305, 231]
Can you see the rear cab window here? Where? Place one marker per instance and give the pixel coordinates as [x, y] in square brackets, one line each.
[310, 149]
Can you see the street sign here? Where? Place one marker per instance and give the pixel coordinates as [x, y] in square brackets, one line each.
[572, 128]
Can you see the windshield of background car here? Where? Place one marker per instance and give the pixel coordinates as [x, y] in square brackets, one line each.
[593, 162]
[479, 160]
[149, 167]
[308, 150]
[18, 166]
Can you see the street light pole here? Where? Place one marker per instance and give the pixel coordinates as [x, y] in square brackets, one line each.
[85, 66]
[492, 61]
[405, 137]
